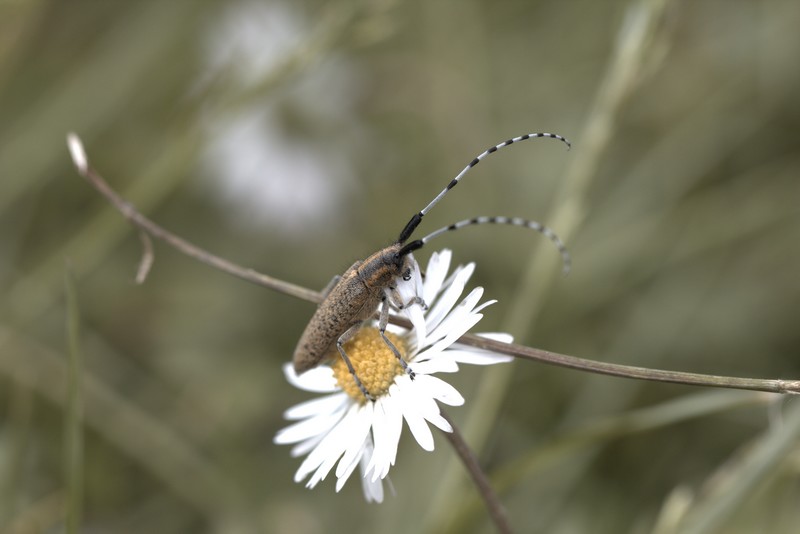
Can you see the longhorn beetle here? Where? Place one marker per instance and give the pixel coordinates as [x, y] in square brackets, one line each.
[352, 298]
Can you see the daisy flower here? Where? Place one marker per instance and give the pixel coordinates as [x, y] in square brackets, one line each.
[343, 429]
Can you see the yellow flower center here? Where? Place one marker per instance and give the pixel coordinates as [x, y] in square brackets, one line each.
[374, 363]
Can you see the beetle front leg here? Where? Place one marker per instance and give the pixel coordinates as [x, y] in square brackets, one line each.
[397, 301]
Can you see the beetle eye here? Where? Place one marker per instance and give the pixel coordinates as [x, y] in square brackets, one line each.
[407, 275]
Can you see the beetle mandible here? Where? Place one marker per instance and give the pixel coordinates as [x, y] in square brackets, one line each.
[353, 297]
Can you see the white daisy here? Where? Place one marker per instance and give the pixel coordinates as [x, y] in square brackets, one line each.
[344, 427]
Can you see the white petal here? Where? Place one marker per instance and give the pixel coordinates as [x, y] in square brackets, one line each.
[317, 380]
[329, 449]
[394, 428]
[416, 277]
[429, 354]
[373, 488]
[311, 427]
[414, 419]
[419, 428]
[396, 330]
[386, 429]
[304, 447]
[379, 423]
[427, 407]
[484, 305]
[435, 365]
[498, 336]
[439, 422]
[435, 275]
[457, 329]
[345, 440]
[313, 407]
[410, 290]
[464, 308]
[417, 318]
[345, 473]
[456, 316]
[476, 356]
[440, 390]
[358, 434]
[448, 299]
[406, 289]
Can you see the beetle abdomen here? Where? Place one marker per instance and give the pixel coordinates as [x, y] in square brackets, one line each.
[348, 304]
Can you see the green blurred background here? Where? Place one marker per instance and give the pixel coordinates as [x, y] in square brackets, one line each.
[295, 137]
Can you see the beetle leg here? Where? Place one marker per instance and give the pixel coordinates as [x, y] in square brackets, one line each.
[397, 303]
[344, 338]
[335, 280]
[331, 285]
[382, 322]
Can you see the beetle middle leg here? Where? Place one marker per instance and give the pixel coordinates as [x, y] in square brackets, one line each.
[383, 321]
[344, 338]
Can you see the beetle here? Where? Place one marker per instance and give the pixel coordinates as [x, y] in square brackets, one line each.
[353, 297]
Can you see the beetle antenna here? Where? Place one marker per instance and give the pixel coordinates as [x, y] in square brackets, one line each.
[417, 218]
[513, 221]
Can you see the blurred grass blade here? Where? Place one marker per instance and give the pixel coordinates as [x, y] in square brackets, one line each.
[87, 97]
[673, 511]
[133, 431]
[73, 432]
[597, 432]
[34, 293]
[736, 481]
[568, 445]
[19, 425]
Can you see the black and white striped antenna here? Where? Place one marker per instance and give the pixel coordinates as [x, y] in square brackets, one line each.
[513, 221]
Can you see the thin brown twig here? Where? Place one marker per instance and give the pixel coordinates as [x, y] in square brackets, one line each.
[768, 385]
[518, 351]
[143, 223]
[148, 257]
[496, 509]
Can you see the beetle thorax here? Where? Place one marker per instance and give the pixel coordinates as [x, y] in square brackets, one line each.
[382, 268]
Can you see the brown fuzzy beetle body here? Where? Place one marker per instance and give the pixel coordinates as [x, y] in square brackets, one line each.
[353, 299]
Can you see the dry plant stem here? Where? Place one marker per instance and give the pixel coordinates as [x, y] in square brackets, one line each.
[148, 257]
[73, 432]
[148, 226]
[518, 351]
[496, 509]
[629, 371]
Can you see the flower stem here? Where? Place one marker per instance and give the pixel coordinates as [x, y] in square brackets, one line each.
[493, 505]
